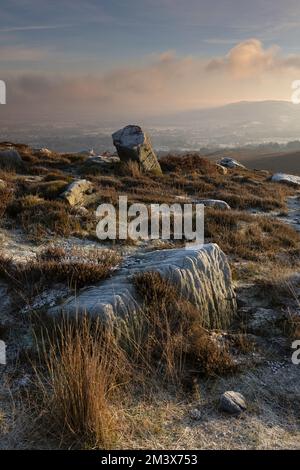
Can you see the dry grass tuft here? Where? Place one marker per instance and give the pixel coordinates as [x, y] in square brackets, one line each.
[49, 189]
[189, 163]
[130, 168]
[279, 284]
[75, 381]
[291, 325]
[171, 337]
[6, 198]
[40, 217]
[76, 267]
[250, 237]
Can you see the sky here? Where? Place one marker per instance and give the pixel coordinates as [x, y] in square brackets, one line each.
[109, 58]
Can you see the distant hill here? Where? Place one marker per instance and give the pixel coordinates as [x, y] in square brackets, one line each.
[240, 123]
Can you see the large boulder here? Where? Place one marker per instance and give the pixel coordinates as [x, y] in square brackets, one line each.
[230, 163]
[284, 178]
[202, 275]
[76, 192]
[132, 143]
[10, 159]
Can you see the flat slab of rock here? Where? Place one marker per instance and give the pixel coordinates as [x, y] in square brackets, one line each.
[76, 192]
[132, 143]
[10, 159]
[216, 203]
[285, 178]
[233, 403]
[230, 163]
[202, 275]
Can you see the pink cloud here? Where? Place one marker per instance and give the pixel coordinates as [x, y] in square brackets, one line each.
[166, 83]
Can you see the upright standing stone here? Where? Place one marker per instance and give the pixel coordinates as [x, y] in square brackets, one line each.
[132, 143]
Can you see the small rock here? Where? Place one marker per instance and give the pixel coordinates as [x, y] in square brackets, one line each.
[195, 414]
[230, 163]
[215, 203]
[233, 403]
[43, 152]
[76, 192]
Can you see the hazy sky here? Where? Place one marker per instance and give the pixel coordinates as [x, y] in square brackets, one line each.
[145, 57]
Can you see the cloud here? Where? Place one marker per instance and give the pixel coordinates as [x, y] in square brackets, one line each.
[164, 84]
[13, 29]
[250, 59]
[21, 53]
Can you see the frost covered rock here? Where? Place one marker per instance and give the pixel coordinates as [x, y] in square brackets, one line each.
[10, 159]
[233, 403]
[195, 414]
[215, 203]
[202, 275]
[230, 163]
[284, 178]
[132, 143]
[76, 192]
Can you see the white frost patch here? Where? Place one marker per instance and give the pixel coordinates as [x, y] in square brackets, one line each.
[14, 246]
[49, 298]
